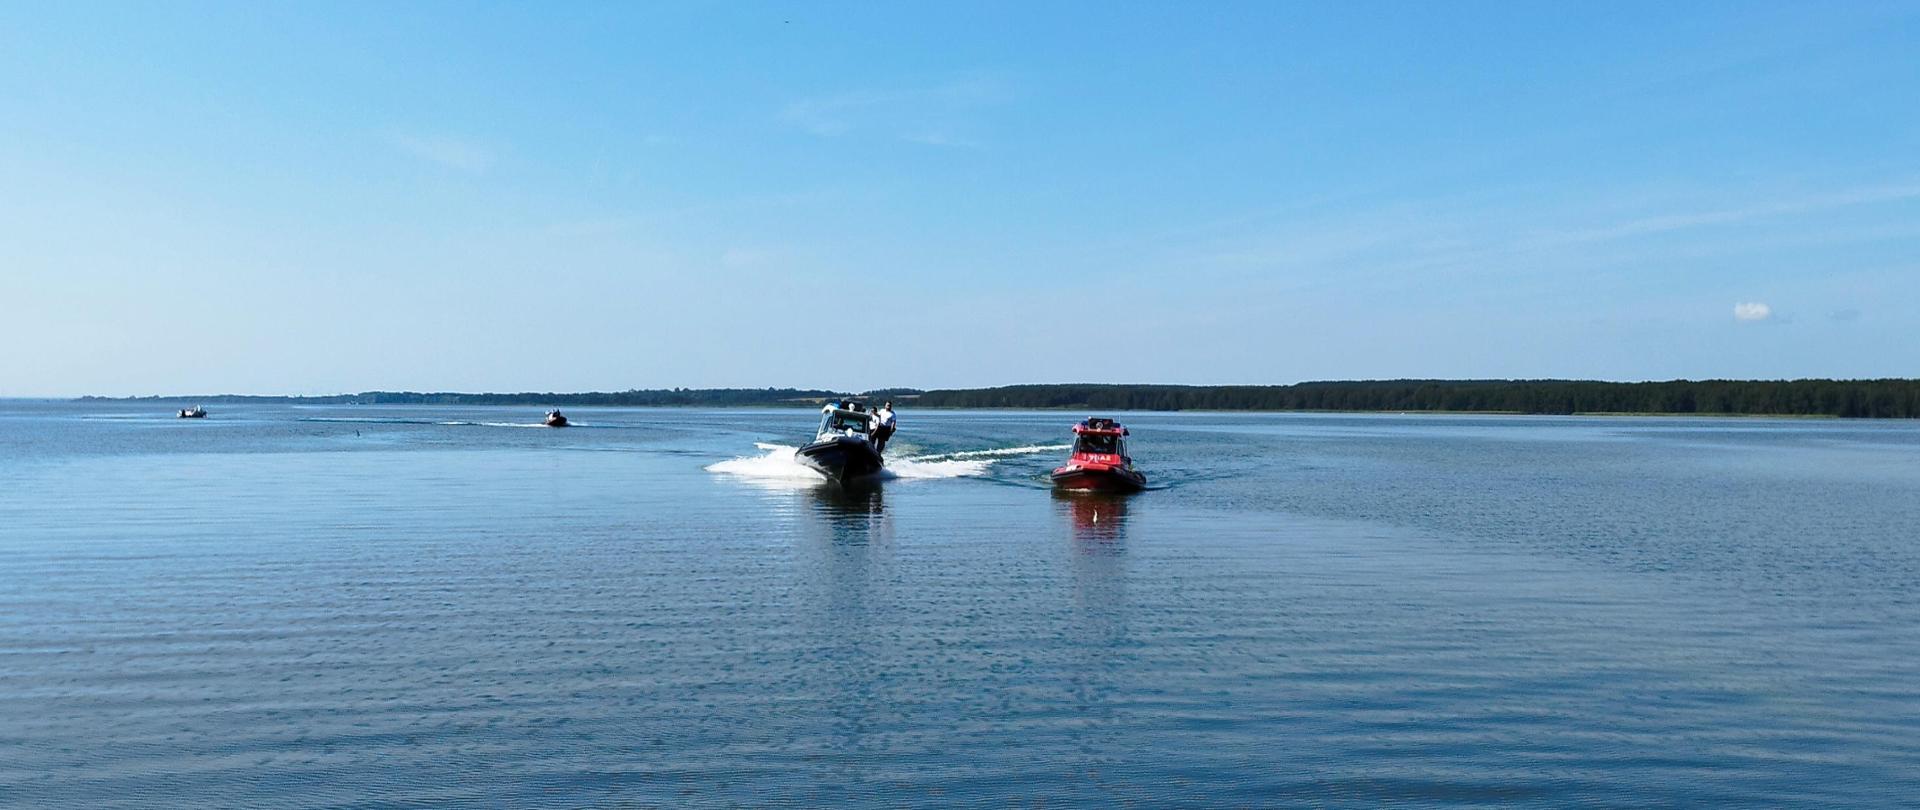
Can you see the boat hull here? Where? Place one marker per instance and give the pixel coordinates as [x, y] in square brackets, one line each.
[841, 459]
[1099, 479]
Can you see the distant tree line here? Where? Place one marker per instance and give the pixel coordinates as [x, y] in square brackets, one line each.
[878, 394]
[711, 397]
[699, 397]
[1898, 398]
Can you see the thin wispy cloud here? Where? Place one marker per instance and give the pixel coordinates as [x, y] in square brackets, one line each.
[1752, 311]
[634, 221]
[1319, 244]
[742, 257]
[453, 153]
[832, 116]
[942, 139]
[933, 115]
[1667, 223]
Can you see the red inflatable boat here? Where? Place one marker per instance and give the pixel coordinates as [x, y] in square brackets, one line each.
[1099, 462]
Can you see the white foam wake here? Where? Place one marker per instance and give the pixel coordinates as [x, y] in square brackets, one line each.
[916, 468]
[778, 463]
[402, 421]
[1004, 451]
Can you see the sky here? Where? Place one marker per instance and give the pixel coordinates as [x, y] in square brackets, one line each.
[323, 197]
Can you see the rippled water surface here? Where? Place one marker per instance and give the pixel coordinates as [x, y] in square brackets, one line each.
[362, 606]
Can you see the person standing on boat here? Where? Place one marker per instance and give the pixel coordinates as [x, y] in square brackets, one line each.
[882, 427]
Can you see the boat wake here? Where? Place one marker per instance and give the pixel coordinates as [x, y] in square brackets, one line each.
[1005, 451]
[930, 468]
[401, 421]
[777, 463]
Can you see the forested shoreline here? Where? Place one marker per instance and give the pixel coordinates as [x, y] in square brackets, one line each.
[1884, 398]
[653, 397]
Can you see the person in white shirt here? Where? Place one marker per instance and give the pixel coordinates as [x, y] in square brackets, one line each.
[882, 426]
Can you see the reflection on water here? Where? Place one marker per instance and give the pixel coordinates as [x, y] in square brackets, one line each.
[854, 512]
[845, 598]
[1099, 519]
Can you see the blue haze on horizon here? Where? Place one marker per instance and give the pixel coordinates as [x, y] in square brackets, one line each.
[330, 197]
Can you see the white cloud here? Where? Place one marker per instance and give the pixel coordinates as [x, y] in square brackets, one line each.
[452, 153]
[1752, 311]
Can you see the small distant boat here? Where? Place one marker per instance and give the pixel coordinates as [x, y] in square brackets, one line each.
[1099, 462]
[556, 419]
[195, 412]
[842, 449]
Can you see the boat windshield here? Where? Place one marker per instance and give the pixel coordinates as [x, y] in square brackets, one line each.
[1097, 443]
[841, 421]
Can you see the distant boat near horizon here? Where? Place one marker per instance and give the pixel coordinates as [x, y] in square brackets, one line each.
[556, 419]
[195, 412]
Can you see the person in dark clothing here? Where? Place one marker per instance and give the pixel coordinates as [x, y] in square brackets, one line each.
[882, 427]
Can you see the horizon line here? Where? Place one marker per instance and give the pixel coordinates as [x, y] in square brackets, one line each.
[899, 389]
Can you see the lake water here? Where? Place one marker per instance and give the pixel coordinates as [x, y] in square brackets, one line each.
[368, 606]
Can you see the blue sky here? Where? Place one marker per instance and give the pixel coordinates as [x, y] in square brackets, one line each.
[325, 197]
